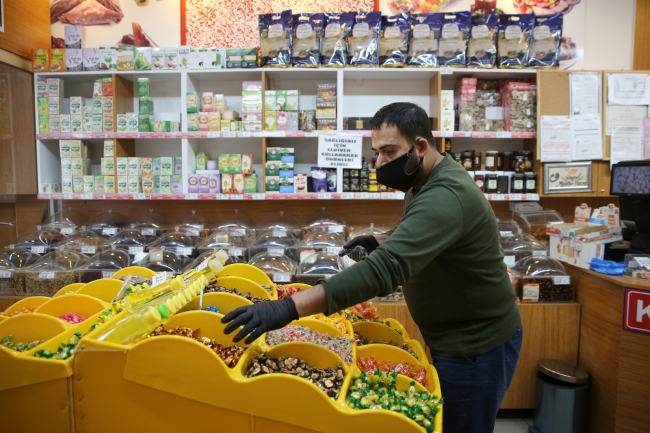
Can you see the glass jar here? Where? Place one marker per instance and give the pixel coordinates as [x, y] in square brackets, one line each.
[519, 164]
[480, 181]
[468, 160]
[528, 159]
[491, 183]
[478, 157]
[503, 184]
[530, 183]
[491, 160]
[507, 161]
[517, 183]
[458, 157]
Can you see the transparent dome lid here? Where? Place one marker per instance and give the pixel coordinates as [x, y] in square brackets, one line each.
[85, 241]
[324, 217]
[110, 259]
[151, 222]
[131, 239]
[272, 264]
[206, 254]
[222, 239]
[538, 267]
[64, 222]
[276, 238]
[164, 261]
[369, 231]
[192, 220]
[107, 223]
[322, 239]
[60, 260]
[521, 242]
[17, 259]
[320, 264]
[279, 221]
[234, 220]
[508, 227]
[39, 240]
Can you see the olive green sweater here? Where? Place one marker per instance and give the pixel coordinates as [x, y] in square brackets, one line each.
[445, 253]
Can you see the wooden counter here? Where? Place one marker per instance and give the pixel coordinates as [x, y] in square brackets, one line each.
[618, 360]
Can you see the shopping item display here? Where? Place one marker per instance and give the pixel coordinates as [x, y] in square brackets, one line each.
[543, 279]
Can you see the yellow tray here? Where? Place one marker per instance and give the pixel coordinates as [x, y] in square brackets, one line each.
[245, 285]
[29, 302]
[135, 271]
[246, 271]
[70, 288]
[224, 302]
[105, 289]
[377, 331]
[81, 305]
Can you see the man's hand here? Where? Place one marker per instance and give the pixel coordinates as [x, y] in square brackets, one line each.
[369, 242]
[260, 318]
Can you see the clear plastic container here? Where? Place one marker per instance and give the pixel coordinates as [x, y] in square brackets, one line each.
[64, 222]
[52, 272]
[204, 255]
[543, 279]
[534, 222]
[164, 261]
[317, 267]
[104, 265]
[237, 224]
[280, 268]
[132, 240]
[39, 241]
[235, 245]
[371, 230]
[508, 227]
[83, 241]
[12, 282]
[323, 239]
[278, 242]
[522, 245]
[280, 221]
[327, 221]
[193, 221]
[107, 224]
[179, 242]
[151, 223]
[638, 266]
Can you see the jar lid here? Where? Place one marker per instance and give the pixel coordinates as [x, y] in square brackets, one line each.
[508, 152]
[492, 151]
[468, 153]
[562, 371]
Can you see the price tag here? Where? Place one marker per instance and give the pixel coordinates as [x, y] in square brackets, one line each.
[447, 134]
[107, 274]
[46, 275]
[306, 252]
[347, 195]
[362, 195]
[86, 196]
[88, 250]
[336, 229]
[135, 250]
[562, 280]
[156, 256]
[324, 196]
[67, 230]
[506, 234]
[281, 278]
[192, 232]
[139, 197]
[67, 196]
[644, 262]
[275, 252]
[109, 231]
[184, 251]
[203, 265]
[7, 274]
[236, 252]
[279, 233]
[509, 260]
[333, 250]
[238, 232]
[192, 196]
[375, 195]
[540, 253]
[258, 196]
[446, 70]
[244, 134]
[236, 196]
[158, 279]
[504, 134]
[38, 250]
[223, 196]
[148, 232]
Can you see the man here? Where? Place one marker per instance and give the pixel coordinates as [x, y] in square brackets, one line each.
[445, 253]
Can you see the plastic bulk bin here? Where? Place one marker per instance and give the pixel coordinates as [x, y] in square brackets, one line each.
[83, 241]
[104, 265]
[237, 224]
[534, 222]
[508, 227]
[207, 253]
[197, 223]
[277, 241]
[64, 222]
[107, 224]
[179, 242]
[12, 283]
[317, 267]
[543, 279]
[132, 240]
[52, 272]
[516, 247]
[280, 222]
[637, 266]
[151, 223]
[371, 230]
[39, 241]
[327, 221]
[164, 261]
[234, 244]
[280, 268]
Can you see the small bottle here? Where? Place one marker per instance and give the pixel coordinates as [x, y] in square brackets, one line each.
[458, 157]
[491, 183]
[531, 183]
[517, 183]
[519, 164]
[478, 156]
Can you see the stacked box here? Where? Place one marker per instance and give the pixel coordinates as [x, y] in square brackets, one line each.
[132, 122]
[41, 60]
[100, 185]
[108, 58]
[520, 107]
[326, 106]
[279, 169]
[241, 57]
[87, 120]
[280, 110]
[57, 60]
[465, 92]
[73, 36]
[171, 58]
[252, 103]
[307, 120]
[74, 60]
[91, 59]
[145, 106]
[142, 59]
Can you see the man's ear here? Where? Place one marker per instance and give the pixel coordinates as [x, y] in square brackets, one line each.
[422, 146]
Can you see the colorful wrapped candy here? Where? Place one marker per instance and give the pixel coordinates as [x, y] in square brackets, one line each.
[19, 347]
[415, 372]
[362, 341]
[72, 318]
[342, 346]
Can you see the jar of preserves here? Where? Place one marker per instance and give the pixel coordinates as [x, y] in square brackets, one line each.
[517, 183]
[528, 159]
[491, 160]
[503, 184]
[491, 183]
[458, 157]
[520, 164]
[478, 157]
[530, 186]
[480, 181]
[468, 160]
[507, 161]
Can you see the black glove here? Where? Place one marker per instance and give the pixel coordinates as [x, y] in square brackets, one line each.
[260, 318]
[368, 242]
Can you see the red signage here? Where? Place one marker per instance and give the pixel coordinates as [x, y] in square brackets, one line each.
[636, 310]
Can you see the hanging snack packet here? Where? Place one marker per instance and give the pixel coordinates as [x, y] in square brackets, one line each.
[482, 45]
[363, 43]
[515, 33]
[334, 46]
[275, 39]
[394, 44]
[453, 39]
[423, 47]
[307, 33]
[545, 46]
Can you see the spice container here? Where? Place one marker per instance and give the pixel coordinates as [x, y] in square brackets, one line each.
[519, 164]
[107, 224]
[316, 267]
[491, 182]
[503, 184]
[480, 181]
[52, 272]
[12, 283]
[194, 224]
[38, 241]
[83, 241]
[104, 265]
[164, 261]
[530, 183]
[534, 222]
[151, 223]
[468, 160]
[132, 240]
[521, 245]
[179, 242]
[543, 279]
[528, 159]
[517, 183]
[492, 160]
[478, 161]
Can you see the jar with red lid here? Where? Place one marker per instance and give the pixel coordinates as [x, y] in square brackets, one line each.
[468, 160]
[491, 160]
[480, 181]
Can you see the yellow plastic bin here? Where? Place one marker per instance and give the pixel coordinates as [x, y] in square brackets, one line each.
[105, 289]
[134, 271]
[69, 289]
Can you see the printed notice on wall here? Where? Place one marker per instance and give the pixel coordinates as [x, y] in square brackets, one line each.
[556, 139]
[626, 144]
[342, 151]
[628, 89]
[585, 92]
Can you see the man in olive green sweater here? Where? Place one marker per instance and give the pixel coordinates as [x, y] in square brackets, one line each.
[445, 253]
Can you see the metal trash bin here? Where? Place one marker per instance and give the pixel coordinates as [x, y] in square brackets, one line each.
[561, 398]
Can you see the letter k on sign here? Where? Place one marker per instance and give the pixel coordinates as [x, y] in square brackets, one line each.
[636, 310]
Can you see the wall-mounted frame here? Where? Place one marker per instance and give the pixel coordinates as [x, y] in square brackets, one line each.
[570, 177]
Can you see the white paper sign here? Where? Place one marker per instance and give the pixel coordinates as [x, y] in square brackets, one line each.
[628, 89]
[625, 115]
[339, 151]
[644, 262]
[586, 137]
[556, 139]
[626, 144]
[585, 92]
[158, 279]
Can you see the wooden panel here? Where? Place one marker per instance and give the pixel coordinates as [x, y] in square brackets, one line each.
[632, 414]
[7, 232]
[642, 35]
[124, 148]
[8, 301]
[27, 26]
[30, 212]
[122, 96]
[604, 176]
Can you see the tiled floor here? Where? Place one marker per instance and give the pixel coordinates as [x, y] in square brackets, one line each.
[513, 425]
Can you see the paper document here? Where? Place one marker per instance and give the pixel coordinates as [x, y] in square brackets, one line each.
[586, 137]
[624, 115]
[626, 144]
[585, 92]
[556, 139]
[646, 137]
[628, 89]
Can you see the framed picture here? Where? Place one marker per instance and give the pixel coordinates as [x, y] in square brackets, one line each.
[567, 177]
[2, 16]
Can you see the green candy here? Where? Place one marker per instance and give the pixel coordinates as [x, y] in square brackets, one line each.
[164, 312]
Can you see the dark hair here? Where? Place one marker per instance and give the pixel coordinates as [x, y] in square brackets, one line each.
[409, 119]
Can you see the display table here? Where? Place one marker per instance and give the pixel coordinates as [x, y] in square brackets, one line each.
[617, 359]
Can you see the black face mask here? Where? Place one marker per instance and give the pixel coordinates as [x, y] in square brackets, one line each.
[393, 174]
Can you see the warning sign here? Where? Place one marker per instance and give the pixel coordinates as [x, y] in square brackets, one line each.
[342, 151]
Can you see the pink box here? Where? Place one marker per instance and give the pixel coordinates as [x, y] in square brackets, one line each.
[204, 121]
[207, 102]
[251, 116]
[282, 121]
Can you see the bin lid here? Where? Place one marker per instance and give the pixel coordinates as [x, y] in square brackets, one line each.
[562, 371]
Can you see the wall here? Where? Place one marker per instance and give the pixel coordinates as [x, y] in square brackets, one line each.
[609, 34]
[27, 26]
[642, 36]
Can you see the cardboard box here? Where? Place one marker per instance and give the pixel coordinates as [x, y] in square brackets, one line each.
[147, 184]
[183, 57]
[66, 184]
[225, 125]
[171, 58]
[64, 149]
[447, 101]
[272, 183]
[43, 106]
[133, 167]
[192, 122]
[54, 123]
[54, 105]
[193, 183]
[41, 88]
[156, 184]
[78, 184]
[247, 164]
[241, 57]
[146, 168]
[73, 36]
[122, 184]
[204, 121]
[207, 102]
[142, 59]
[273, 168]
[234, 163]
[325, 113]
[145, 105]
[226, 183]
[41, 60]
[165, 184]
[122, 166]
[155, 163]
[74, 60]
[300, 183]
[132, 122]
[293, 100]
[447, 122]
[97, 105]
[144, 122]
[238, 183]
[121, 123]
[204, 183]
[43, 124]
[99, 185]
[108, 58]
[76, 123]
[166, 166]
[55, 88]
[286, 185]
[134, 184]
[89, 184]
[326, 124]
[107, 123]
[270, 120]
[109, 184]
[252, 126]
[214, 120]
[143, 88]
[177, 184]
[66, 166]
[281, 121]
[125, 58]
[76, 149]
[178, 165]
[91, 59]
[76, 105]
[108, 166]
[583, 252]
[250, 183]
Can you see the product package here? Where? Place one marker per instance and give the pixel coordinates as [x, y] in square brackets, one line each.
[91, 59]
[482, 45]
[423, 47]
[515, 33]
[275, 39]
[363, 43]
[57, 60]
[334, 47]
[307, 34]
[454, 35]
[520, 107]
[545, 45]
[74, 59]
[394, 43]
